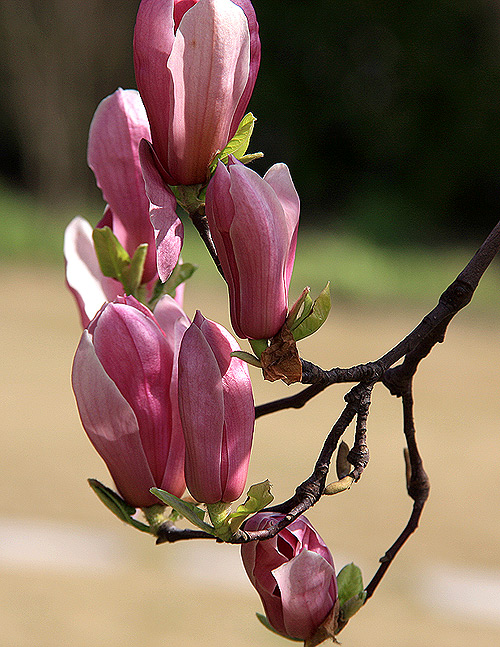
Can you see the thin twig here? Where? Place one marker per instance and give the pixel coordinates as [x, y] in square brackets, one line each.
[414, 347]
[296, 401]
[200, 222]
[417, 486]
[420, 340]
[169, 533]
[310, 491]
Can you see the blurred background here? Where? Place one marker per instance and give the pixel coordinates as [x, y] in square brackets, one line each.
[388, 115]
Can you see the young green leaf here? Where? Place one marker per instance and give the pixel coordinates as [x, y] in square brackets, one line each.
[317, 316]
[132, 274]
[352, 606]
[258, 346]
[117, 505]
[258, 497]
[349, 582]
[188, 510]
[293, 313]
[180, 274]
[238, 144]
[247, 357]
[112, 257]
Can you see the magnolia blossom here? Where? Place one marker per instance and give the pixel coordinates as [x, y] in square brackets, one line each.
[125, 382]
[119, 124]
[254, 224]
[196, 64]
[217, 412]
[293, 573]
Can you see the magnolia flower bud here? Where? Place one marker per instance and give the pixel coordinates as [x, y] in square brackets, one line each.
[196, 64]
[119, 124]
[217, 412]
[254, 224]
[125, 384]
[293, 573]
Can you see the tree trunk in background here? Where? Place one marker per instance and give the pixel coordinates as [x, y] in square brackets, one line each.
[62, 57]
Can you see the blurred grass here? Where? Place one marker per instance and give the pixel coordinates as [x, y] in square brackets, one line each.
[359, 270]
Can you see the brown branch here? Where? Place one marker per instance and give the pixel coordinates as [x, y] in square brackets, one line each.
[296, 401]
[310, 491]
[359, 454]
[199, 220]
[417, 486]
[169, 533]
[415, 346]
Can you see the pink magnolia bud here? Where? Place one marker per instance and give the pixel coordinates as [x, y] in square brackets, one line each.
[293, 573]
[254, 224]
[195, 64]
[124, 380]
[217, 412]
[119, 124]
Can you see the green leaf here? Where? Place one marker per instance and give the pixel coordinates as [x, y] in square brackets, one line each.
[174, 516]
[120, 508]
[295, 309]
[247, 357]
[258, 346]
[132, 274]
[352, 606]
[267, 625]
[349, 582]
[317, 316]
[115, 262]
[191, 198]
[112, 257]
[180, 274]
[307, 307]
[238, 144]
[258, 497]
[188, 510]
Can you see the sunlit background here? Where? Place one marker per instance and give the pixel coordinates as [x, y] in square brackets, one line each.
[388, 115]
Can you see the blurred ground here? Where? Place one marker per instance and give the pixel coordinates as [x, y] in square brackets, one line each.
[72, 575]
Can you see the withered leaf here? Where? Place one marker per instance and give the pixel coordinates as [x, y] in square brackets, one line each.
[281, 361]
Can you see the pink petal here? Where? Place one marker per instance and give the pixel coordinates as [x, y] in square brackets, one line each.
[84, 277]
[201, 407]
[239, 411]
[119, 124]
[260, 240]
[153, 40]
[174, 323]
[168, 229]
[168, 313]
[253, 27]
[278, 176]
[135, 354]
[111, 425]
[209, 64]
[305, 584]
[219, 207]
[180, 8]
